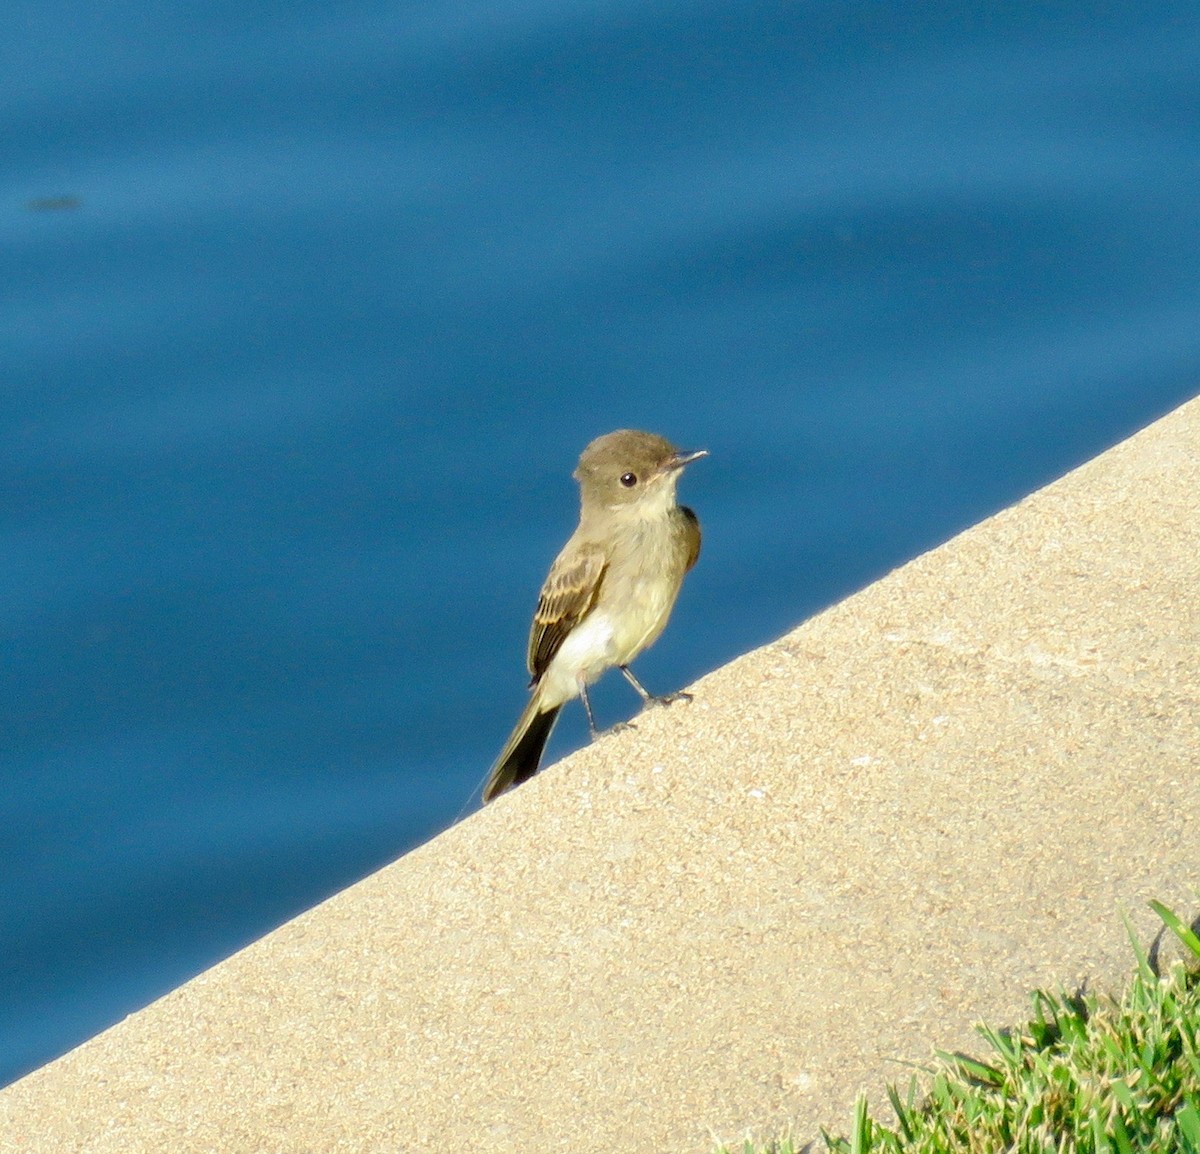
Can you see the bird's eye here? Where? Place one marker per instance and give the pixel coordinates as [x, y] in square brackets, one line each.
[629, 480]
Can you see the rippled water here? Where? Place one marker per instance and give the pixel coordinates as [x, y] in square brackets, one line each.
[307, 314]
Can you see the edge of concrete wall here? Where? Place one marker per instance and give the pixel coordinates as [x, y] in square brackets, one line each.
[856, 842]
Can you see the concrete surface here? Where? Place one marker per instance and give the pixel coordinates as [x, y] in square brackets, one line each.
[855, 843]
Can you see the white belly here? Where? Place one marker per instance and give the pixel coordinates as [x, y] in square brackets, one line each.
[586, 652]
[603, 639]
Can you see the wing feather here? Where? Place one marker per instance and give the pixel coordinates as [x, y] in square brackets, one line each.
[691, 534]
[567, 596]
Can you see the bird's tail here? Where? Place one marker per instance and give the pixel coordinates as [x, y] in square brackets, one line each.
[522, 753]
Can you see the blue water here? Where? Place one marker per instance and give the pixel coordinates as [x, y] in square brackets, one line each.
[307, 312]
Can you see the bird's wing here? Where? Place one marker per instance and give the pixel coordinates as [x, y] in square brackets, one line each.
[567, 596]
[691, 534]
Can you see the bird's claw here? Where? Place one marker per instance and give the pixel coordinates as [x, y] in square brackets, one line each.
[669, 698]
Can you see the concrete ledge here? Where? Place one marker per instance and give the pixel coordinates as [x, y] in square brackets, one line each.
[855, 843]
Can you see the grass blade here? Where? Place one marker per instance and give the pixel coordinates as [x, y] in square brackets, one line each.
[1181, 931]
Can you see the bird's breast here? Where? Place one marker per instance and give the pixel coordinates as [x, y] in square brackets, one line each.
[637, 592]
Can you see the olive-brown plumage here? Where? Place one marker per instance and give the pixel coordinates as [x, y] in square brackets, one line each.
[611, 590]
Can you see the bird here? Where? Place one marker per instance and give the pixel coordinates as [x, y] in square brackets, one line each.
[610, 591]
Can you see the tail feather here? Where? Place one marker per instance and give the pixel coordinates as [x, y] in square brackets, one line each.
[521, 756]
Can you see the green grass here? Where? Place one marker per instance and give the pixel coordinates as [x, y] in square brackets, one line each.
[1087, 1074]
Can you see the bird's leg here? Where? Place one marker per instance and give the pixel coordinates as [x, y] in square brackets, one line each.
[647, 697]
[587, 705]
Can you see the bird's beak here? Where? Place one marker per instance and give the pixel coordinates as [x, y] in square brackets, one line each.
[680, 459]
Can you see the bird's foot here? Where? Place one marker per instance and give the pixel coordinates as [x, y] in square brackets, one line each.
[620, 727]
[668, 698]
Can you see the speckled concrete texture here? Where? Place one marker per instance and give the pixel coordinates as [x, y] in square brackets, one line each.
[853, 844]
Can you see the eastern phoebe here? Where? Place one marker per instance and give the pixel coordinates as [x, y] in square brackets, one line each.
[609, 592]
